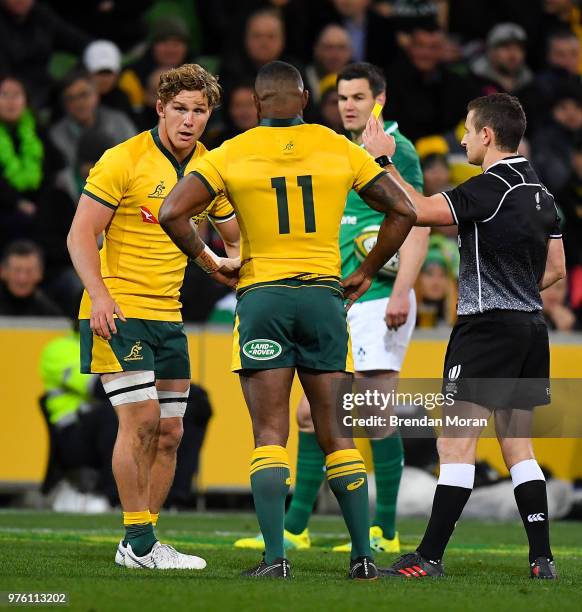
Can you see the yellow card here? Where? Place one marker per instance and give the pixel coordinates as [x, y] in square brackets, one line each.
[377, 110]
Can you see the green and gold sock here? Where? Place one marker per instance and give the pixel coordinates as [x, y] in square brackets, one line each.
[346, 474]
[270, 480]
[139, 532]
[388, 455]
[310, 474]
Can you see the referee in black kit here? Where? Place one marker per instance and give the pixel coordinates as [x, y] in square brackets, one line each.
[511, 248]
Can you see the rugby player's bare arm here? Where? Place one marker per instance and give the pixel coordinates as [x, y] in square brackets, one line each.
[413, 250]
[91, 219]
[385, 196]
[189, 198]
[555, 264]
[412, 255]
[230, 233]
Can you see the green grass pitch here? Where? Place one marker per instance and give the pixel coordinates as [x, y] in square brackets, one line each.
[486, 565]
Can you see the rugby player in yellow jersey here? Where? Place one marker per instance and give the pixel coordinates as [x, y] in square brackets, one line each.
[130, 320]
[288, 183]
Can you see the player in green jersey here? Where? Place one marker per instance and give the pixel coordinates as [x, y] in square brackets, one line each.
[381, 324]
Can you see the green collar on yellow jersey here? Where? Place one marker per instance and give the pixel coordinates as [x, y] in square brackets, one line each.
[178, 167]
[281, 122]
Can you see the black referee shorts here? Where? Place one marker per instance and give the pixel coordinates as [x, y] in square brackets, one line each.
[499, 359]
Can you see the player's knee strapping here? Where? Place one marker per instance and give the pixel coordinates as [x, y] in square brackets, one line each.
[270, 480]
[346, 474]
[137, 387]
[172, 403]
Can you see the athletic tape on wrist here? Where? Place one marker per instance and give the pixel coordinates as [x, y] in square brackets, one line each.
[208, 260]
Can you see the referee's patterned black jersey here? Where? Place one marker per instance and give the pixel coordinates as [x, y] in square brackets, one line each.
[505, 218]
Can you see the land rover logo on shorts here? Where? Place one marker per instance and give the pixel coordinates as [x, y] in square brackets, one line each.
[262, 349]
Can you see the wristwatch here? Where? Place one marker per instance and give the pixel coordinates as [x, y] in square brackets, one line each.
[384, 161]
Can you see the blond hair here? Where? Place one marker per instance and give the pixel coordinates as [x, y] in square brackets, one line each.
[189, 77]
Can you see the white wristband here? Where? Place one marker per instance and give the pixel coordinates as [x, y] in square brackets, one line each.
[208, 260]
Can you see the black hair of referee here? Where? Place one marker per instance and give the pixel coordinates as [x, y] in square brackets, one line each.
[511, 248]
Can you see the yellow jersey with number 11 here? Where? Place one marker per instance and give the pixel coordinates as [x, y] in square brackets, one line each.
[288, 182]
[141, 267]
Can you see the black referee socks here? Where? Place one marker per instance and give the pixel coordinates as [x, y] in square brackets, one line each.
[529, 488]
[452, 493]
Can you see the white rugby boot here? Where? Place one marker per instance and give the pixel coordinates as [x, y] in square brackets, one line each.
[163, 557]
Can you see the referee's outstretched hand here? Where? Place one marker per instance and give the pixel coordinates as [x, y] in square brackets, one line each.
[375, 139]
[354, 286]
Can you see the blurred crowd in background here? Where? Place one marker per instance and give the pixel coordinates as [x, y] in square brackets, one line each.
[78, 78]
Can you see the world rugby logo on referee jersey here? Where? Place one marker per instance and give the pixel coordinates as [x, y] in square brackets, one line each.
[262, 349]
[455, 372]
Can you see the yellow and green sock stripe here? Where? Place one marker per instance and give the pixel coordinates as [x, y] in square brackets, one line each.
[139, 531]
[347, 477]
[270, 480]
